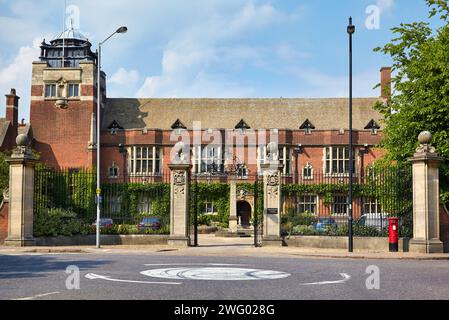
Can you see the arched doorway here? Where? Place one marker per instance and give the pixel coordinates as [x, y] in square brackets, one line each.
[244, 213]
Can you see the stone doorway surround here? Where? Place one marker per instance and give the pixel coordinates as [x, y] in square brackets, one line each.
[238, 195]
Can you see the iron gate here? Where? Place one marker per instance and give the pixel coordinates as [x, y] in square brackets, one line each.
[258, 211]
[193, 210]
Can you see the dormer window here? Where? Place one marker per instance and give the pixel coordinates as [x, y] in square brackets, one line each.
[373, 127]
[242, 126]
[307, 126]
[178, 125]
[114, 127]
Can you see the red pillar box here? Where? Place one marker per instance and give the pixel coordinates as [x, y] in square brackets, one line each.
[394, 234]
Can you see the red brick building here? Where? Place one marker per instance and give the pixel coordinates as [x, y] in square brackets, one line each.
[63, 118]
[138, 135]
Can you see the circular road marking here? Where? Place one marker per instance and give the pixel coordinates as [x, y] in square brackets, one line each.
[215, 274]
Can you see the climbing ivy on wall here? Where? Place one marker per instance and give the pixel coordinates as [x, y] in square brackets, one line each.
[157, 193]
[218, 193]
[390, 185]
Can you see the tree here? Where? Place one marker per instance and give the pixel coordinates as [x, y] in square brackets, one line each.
[420, 55]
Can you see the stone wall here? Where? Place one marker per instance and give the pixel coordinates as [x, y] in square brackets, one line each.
[108, 240]
[325, 242]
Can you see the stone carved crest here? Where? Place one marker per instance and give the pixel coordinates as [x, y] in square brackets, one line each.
[179, 182]
[273, 192]
[273, 185]
[243, 194]
[273, 180]
[62, 86]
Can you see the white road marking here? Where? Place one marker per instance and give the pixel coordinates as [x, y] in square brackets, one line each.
[215, 274]
[193, 264]
[38, 296]
[93, 276]
[345, 276]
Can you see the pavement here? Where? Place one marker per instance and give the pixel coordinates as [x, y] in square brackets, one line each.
[215, 246]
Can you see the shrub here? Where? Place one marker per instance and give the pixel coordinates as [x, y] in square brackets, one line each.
[358, 231]
[204, 219]
[298, 219]
[304, 230]
[58, 222]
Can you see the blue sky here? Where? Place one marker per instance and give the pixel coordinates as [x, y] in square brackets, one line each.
[211, 48]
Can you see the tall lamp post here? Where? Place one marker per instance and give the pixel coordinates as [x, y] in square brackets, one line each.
[98, 198]
[351, 31]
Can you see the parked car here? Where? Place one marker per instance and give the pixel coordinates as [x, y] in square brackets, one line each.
[376, 220]
[322, 224]
[104, 223]
[150, 222]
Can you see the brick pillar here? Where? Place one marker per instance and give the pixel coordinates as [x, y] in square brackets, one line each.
[385, 83]
[426, 198]
[12, 110]
[272, 203]
[21, 195]
[179, 205]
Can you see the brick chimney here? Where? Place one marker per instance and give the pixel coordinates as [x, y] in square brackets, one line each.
[12, 109]
[385, 83]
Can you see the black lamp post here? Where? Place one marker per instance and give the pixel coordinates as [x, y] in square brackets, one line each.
[351, 31]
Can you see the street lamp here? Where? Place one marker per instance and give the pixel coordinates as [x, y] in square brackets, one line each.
[351, 31]
[98, 198]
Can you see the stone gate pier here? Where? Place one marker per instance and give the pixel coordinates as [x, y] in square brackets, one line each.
[426, 198]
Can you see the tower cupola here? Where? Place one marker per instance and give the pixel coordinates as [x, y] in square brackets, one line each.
[67, 50]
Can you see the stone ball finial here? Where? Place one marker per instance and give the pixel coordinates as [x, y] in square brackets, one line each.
[22, 140]
[425, 137]
[272, 151]
[181, 151]
[272, 148]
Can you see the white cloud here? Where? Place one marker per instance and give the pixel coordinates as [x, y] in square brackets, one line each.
[188, 58]
[17, 74]
[124, 77]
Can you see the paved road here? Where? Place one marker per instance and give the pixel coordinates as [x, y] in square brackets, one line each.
[118, 276]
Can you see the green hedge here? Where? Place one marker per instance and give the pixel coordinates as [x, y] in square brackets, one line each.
[59, 222]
